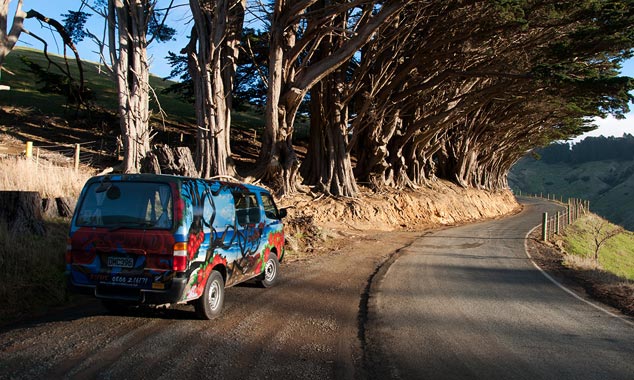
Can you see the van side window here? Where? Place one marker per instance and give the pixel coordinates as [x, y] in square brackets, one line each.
[247, 209]
[269, 207]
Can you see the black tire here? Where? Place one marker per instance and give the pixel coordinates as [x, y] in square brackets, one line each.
[271, 272]
[209, 305]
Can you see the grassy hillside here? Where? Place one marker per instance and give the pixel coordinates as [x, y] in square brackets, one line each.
[608, 185]
[25, 92]
[616, 256]
[24, 86]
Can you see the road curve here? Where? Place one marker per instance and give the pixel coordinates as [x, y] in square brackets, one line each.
[467, 303]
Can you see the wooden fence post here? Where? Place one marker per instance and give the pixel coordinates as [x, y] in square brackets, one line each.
[29, 149]
[557, 223]
[76, 161]
[545, 226]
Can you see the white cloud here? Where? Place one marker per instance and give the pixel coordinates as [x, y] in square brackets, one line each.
[610, 127]
[613, 127]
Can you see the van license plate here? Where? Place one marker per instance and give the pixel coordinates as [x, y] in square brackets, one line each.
[123, 262]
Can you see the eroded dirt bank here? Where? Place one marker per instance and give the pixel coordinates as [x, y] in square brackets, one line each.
[442, 204]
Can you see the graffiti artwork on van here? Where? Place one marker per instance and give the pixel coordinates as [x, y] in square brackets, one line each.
[275, 243]
[215, 236]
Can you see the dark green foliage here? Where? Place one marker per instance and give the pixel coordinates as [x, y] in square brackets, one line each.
[53, 83]
[249, 86]
[74, 24]
[511, 10]
[603, 148]
[589, 149]
[158, 30]
[581, 67]
[613, 177]
[252, 67]
[452, 90]
[184, 88]
[554, 153]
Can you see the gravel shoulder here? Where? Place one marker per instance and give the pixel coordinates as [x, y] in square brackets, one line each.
[589, 283]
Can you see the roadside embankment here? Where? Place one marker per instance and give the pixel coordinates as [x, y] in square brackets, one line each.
[443, 203]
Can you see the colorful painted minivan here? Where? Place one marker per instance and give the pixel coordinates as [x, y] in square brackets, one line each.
[159, 239]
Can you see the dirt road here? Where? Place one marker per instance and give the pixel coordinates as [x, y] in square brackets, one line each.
[307, 327]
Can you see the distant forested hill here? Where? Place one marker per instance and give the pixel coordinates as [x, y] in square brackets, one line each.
[599, 169]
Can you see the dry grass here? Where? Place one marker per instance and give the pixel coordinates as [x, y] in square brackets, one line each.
[32, 267]
[580, 262]
[17, 173]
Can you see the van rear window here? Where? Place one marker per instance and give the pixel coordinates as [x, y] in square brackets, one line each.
[145, 205]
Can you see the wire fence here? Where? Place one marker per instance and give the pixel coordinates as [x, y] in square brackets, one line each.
[555, 224]
[89, 154]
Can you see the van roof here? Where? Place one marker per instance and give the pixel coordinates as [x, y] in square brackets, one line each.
[144, 177]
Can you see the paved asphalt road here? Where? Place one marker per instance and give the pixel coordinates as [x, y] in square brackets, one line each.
[467, 303]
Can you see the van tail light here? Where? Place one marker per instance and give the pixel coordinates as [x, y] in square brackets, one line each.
[69, 247]
[179, 263]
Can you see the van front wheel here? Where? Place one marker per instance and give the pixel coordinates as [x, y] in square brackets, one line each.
[209, 305]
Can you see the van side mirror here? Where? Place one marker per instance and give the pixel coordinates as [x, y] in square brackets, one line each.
[283, 213]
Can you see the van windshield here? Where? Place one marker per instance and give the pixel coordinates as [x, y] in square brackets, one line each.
[145, 205]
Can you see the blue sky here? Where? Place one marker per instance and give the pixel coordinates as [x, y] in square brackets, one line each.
[87, 49]
[180, 20]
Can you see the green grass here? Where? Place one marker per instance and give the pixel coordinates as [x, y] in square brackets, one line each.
[25, 89]
[615, 256]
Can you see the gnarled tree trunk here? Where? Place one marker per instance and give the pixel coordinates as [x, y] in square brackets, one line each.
[132, 75]
[212, 57]
[290, 78]
[328, 165]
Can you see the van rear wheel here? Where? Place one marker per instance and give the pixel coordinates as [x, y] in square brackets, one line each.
[271, 271]
[209, 305]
